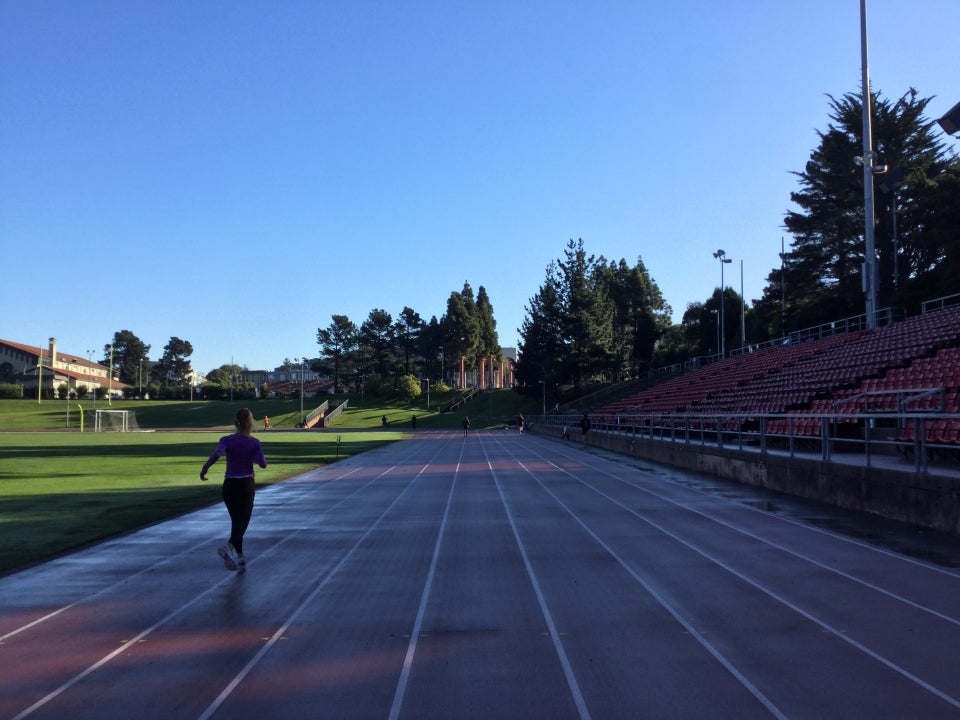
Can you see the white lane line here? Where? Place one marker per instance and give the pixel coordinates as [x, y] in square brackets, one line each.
[167, 618]
[107, 658]
[783, 548]
[775, 596]
[322, 581]
[126, 579]
[800, 556]
[674, 613]
[421, 611]
[950, 572]
[571, 677]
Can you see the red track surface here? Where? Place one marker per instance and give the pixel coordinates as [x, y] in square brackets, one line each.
[494, 576]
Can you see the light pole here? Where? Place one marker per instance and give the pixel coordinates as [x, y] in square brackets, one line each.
[716, 314]
[743, 312]
[721, 256]
[301, 361]
[867, 161]
[90, 370]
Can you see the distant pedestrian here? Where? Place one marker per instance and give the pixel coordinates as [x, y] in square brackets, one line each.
[584, 425]
[521, 423]
[383, 421]
[466, 425]
[242, 451]
[413, 422]
[266, 422]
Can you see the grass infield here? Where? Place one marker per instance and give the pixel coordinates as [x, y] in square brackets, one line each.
[61, 491]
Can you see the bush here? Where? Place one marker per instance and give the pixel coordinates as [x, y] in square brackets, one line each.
[212, 391]
[409, 388]
[9, 391]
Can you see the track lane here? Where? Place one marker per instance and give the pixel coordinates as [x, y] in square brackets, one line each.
[448, 560]
[928, 664]
[130, 611]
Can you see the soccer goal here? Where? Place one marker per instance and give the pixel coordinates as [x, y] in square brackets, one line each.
[115, 421]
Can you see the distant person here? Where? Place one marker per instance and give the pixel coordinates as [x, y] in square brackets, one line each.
[521, 423]
[383, 421]
[466, 425]
[413, 422]
[242, 451]
[584, 425]
[266, 422]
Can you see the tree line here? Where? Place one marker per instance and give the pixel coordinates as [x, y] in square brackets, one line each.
[127, 356]
[383, 352]
[595, 320]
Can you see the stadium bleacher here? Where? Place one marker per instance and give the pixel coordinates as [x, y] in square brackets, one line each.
[912, 365]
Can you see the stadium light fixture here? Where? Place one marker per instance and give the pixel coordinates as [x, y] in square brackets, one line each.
[951, 121]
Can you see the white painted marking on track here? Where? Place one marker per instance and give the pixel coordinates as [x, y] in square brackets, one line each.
[424, 597]
[167, 618]
[322, 580]
[571, 677]
[125, 580]
[836, 632]
[788, 551]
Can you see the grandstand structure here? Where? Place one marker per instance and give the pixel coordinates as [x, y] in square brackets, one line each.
[906, 368]
[883, 400]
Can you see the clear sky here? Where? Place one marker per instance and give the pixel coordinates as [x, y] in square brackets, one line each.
[234, 173]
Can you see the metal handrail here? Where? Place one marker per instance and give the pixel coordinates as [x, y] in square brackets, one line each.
[752, 431]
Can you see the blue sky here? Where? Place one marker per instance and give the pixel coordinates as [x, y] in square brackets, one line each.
[234, 173]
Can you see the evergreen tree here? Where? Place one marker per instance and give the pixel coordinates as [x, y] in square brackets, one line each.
[590, 320]
[378, 341]
[823, 268]
[338, 350]
[172, 370]
[408, 330]
[430, 347]
[588, 314]
[541, 348]
[130, 363]
[461, 327]
[489, 342]
[641, 316]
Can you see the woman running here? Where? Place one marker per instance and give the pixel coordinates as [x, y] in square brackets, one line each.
[242, 451]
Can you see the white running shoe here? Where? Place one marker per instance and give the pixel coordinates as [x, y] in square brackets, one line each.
[241, 563]
[229, 557]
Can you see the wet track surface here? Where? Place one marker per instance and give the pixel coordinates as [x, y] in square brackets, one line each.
[494, 576]
[922, 543]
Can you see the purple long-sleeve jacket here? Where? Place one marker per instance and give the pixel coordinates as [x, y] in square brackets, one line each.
[242, 452]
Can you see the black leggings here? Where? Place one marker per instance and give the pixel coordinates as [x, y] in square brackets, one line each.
[238, 497]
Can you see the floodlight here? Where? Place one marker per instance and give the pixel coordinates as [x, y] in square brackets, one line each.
[951, 121]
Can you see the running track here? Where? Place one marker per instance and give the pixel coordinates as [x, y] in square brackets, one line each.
[494, 576]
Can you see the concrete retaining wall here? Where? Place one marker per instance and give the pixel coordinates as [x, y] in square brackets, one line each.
[925, 500]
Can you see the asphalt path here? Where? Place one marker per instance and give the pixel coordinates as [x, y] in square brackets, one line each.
[496, 575]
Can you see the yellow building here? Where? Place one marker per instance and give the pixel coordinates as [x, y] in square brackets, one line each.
[30, 366]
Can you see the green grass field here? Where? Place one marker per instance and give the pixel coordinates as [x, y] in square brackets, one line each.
[64, 490]
[61, 489]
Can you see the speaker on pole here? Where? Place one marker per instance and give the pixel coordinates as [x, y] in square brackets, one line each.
[951, 121]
